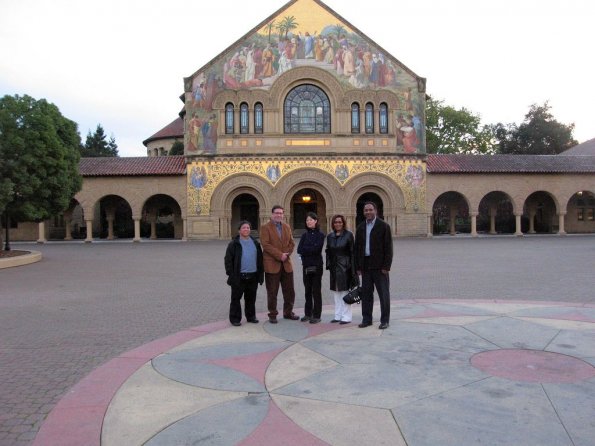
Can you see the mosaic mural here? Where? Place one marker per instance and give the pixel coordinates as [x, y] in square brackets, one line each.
[304, 34]
[204, 177]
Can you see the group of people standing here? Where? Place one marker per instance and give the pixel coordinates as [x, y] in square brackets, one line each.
[367, 255]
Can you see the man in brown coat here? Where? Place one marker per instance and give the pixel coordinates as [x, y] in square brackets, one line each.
[277, 243]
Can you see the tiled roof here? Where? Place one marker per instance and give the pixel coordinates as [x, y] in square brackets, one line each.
[586, 148]
[137, 166]
[510, 164]
[174, 129]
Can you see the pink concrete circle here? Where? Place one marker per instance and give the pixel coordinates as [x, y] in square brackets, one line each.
[533, 366]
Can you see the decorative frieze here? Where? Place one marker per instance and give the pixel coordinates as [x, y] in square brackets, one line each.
[204, 176]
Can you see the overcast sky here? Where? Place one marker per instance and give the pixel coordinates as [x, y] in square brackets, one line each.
[121, 63]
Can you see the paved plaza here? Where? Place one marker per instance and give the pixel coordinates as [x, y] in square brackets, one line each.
[498, 330]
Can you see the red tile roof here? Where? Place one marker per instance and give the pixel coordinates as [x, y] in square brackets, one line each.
[510, 164]
[174, 129]
[137, 166]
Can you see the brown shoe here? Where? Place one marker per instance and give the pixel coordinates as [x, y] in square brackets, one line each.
[292, 316]
[272, 320]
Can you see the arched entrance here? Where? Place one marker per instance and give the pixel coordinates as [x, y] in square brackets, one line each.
[304, 201]
[244, 207]
[115, 218]
[374, 198]
[580, 213]
[539, 214]
[496, 214]
[161, 218]
[451, 214]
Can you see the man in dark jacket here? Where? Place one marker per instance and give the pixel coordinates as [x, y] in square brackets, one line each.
[373, 259]
[245, 270]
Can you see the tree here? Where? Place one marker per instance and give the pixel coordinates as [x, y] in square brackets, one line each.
[96, 144]
[269, 27]
[538, 134]
[456, 131]
[39, 156]
[177, 148]
[287, 24]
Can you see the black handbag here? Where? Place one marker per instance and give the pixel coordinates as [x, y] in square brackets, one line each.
[354, 296]
[310, 270]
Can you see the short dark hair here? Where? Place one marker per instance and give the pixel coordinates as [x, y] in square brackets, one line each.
[277, 206]
[372, 203]
[244, 222]
[313, 216]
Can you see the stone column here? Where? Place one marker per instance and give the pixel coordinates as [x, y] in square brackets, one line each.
[67, 227]
[41, 227]
[561, 230]
[453, 216]
[493, 219]
[532, 213]
[136, 229]
[89, 224]
[184, 229]
[224, 228]
[153, 220]
[517, 218]
[473, 224]
[110, 227]
[430, 225]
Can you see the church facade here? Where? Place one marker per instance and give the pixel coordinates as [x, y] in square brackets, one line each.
[307, 112]
[315, 117]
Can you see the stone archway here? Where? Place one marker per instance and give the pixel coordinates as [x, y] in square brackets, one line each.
[245, 207]
[113, 218]
[450, 214]
[496, 214]
[161, 218]
[389, 197]
[303, 201]
[540, 214]
[580, 213]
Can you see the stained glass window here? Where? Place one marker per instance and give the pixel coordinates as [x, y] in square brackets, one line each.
[307, 110]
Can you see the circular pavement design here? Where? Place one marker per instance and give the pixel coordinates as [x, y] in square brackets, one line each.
[444, 372]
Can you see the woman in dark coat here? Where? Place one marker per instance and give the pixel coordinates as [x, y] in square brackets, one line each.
[245, 270]
[340, 262]
[310, 249]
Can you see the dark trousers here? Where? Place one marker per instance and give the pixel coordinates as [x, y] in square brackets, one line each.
[246, 288]
[313, 293]
[375, 278]
[272, 281]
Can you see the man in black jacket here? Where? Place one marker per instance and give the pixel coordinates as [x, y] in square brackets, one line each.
[245, 270]
[373, 258]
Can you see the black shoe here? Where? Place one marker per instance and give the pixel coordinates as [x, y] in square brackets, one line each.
[314, 320]
[364, 324]
[272, 320]
[344, 322]
[383, 326]
[334, 321]
[305, 319]
[253, 321]
[236, 324]
[292, 316]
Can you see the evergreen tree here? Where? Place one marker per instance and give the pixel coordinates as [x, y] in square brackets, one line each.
[97, 145]
[177, 148]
